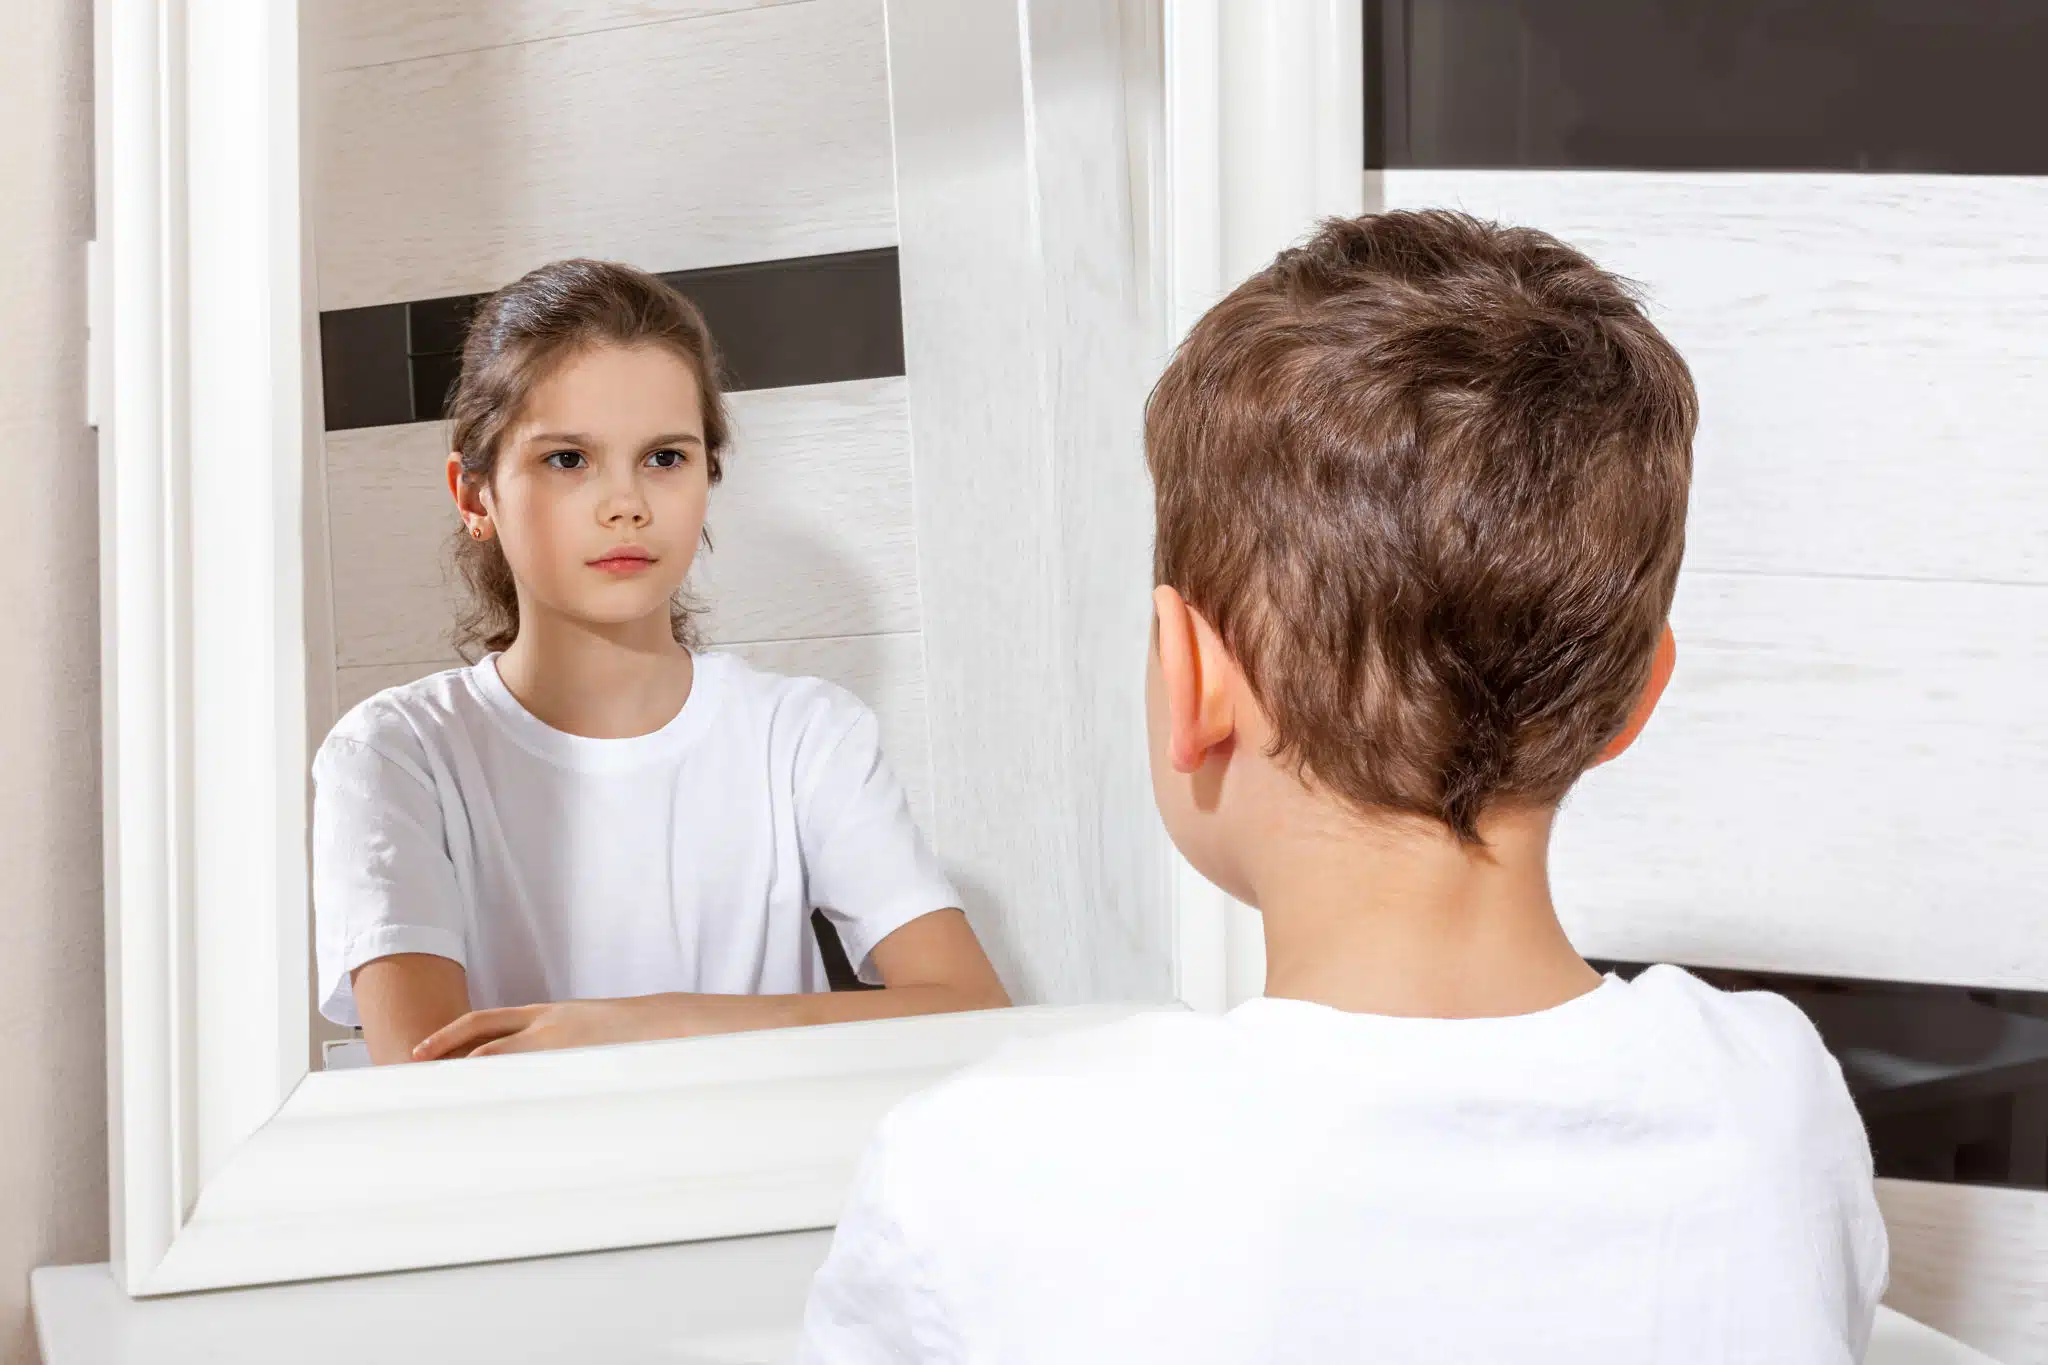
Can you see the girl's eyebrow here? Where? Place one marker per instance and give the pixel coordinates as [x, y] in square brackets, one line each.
[578, 438]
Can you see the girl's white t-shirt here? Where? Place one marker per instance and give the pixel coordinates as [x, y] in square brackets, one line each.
[449, 820]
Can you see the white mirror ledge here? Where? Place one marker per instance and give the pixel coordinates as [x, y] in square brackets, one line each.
[452, 1163]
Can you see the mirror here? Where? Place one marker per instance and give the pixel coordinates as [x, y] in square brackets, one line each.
[953, 544]
[567, 750]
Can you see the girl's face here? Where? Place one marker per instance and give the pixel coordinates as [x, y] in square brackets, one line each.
[600, 488]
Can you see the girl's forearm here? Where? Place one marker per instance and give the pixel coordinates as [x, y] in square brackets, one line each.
[838, 1007]
[684, 1016]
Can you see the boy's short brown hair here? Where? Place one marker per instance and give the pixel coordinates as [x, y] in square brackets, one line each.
[1427, 477]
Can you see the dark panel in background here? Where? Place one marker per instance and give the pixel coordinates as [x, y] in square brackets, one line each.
[809, 320]
[1952, 1083]
[840, 973]
[1853, 85]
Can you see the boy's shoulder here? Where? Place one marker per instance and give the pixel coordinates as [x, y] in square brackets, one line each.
[1152, 1046]
[1748, 1064]
[1755, 1036]
[1086, 1088]
[1758, 1054]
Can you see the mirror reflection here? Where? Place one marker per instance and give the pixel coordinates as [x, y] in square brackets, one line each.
[624, 728]
[600, 831]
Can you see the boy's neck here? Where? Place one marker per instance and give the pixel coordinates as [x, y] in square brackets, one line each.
[1391, 918]
[600, 682]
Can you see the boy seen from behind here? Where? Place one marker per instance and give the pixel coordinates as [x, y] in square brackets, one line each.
[1421, 495]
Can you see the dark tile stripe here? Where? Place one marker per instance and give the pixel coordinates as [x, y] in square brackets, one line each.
[1851, 85]
[810, 320]
[819, 320]
[366, 376]
[1952, 1082]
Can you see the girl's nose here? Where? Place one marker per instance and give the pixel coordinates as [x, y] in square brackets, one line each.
[625, 507]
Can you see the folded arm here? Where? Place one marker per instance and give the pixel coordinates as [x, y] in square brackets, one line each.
[931, 965]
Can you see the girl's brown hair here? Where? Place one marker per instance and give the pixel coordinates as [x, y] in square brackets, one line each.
[517, 337]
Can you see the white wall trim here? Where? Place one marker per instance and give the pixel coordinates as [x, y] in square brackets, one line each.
[203, 664]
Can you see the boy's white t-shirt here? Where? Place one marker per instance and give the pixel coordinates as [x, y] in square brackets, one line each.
[1654, 1173]
[449, 820]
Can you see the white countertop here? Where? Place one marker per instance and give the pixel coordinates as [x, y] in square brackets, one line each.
[732, 1302]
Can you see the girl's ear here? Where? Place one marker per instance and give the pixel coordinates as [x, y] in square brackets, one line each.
[1662, 663]
[467, 496]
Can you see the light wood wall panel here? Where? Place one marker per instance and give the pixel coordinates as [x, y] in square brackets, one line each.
[1846, 777]
[1847, 773]
[885, 671]
[1971, 1261]
[813, 527]
[337, 35]
[1871, 353]
[753, 134]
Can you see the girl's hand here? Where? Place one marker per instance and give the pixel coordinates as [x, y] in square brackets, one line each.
[538, 1028]
[932, 965]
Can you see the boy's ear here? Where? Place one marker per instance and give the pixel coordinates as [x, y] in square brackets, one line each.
[1195, 670]
[1661, 665]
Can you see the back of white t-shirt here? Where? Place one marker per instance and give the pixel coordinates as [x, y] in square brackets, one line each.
[449, 820]
[1654, 1172]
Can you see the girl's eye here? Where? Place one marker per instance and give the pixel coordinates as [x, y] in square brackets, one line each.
[668, 459]
[567, 459]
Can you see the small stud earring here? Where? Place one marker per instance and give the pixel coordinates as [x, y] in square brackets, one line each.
[476, 533]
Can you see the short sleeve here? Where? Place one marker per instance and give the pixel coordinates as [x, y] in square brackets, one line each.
[1825, 1158]
[382, 879]
[874, 1301]
[865, 863]
[1857, 1256]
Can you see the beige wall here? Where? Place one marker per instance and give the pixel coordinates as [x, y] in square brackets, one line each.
[52, 1034]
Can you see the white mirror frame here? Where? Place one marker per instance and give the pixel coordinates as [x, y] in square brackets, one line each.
[1054, 239]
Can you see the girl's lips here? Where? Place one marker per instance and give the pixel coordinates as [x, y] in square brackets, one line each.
[624, 562]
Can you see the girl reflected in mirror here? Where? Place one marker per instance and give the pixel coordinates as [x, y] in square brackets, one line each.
[600, 832]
